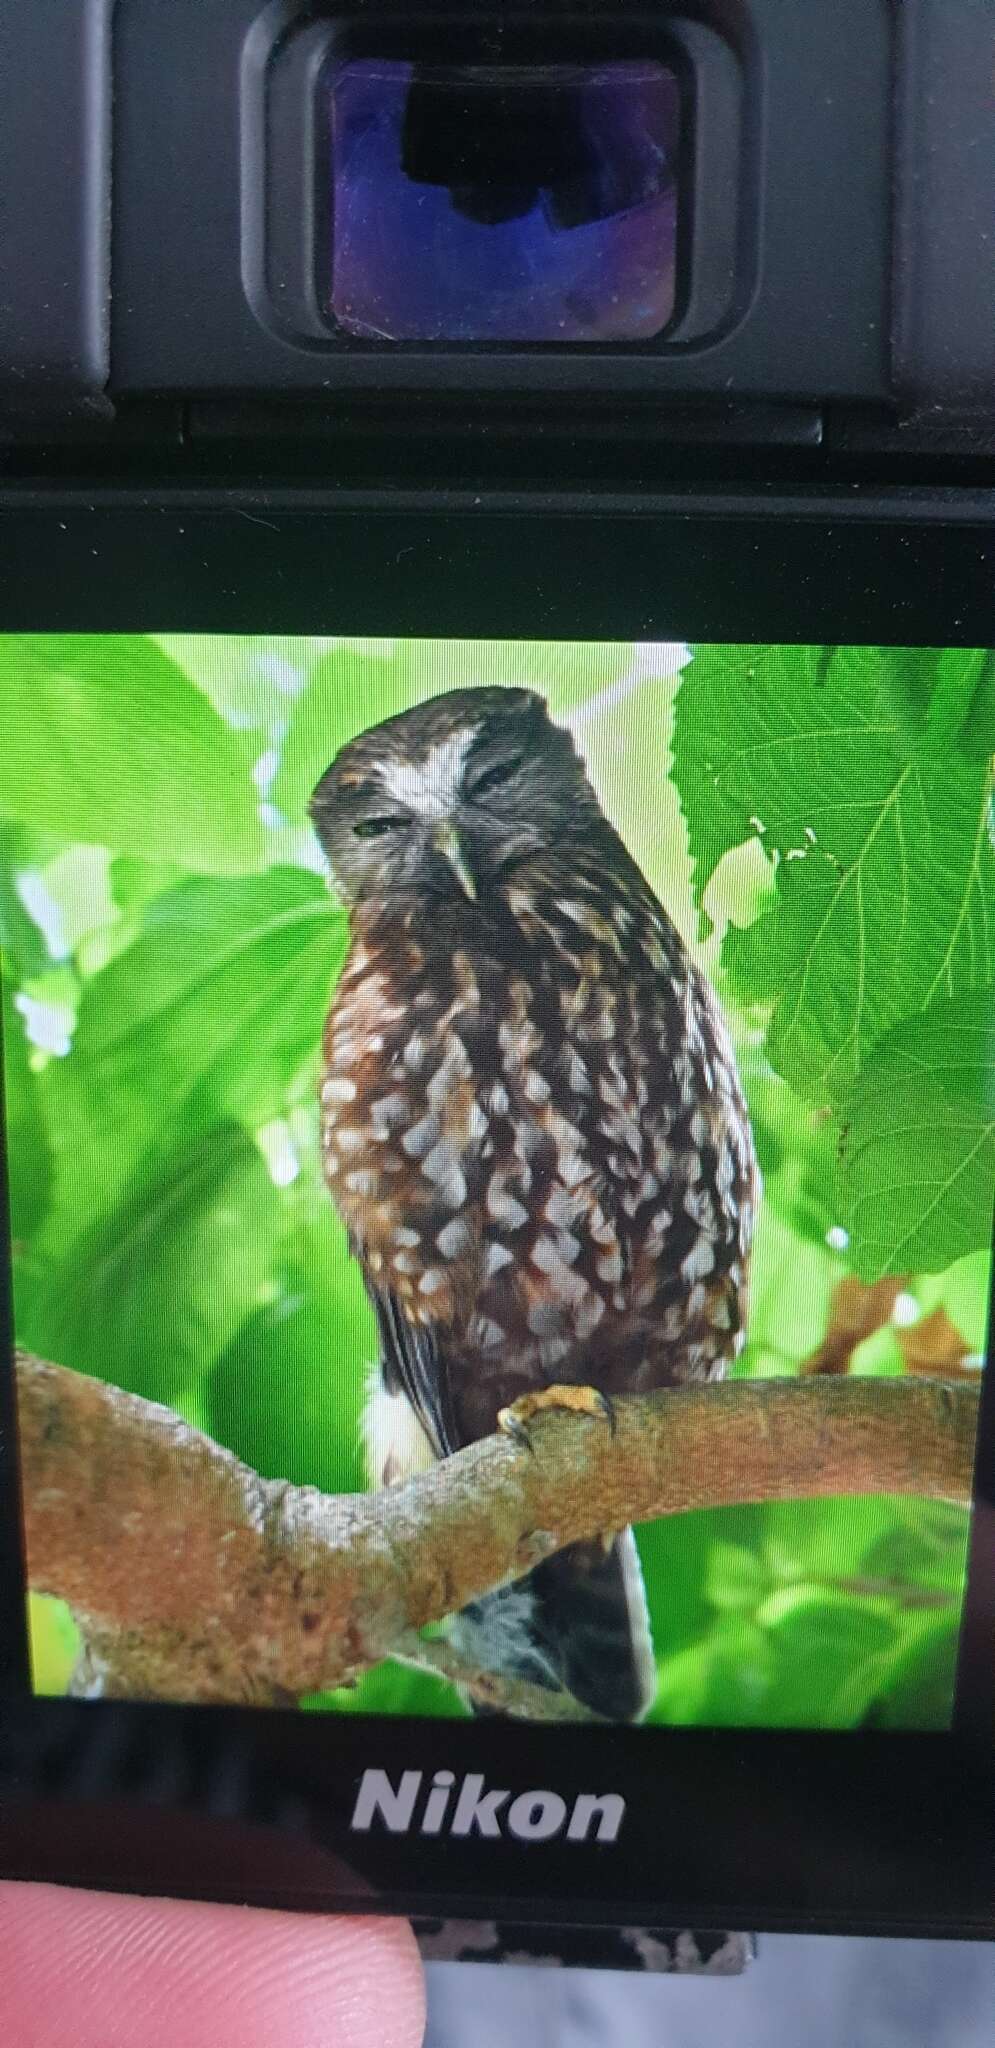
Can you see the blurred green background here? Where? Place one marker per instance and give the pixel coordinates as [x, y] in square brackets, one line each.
[818, 821]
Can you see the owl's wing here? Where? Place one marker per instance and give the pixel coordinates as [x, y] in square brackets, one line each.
[410, 1356]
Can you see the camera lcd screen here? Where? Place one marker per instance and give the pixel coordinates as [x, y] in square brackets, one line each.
[419, 1045]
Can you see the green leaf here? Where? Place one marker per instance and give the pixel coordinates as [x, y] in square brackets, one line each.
[796, 1147]
[791, 1283]
[286, 1394]
[943, 697]
[136, 883]
[818, 1611]
[674, 1554]
[250, 678]
[221, 999]
[722, 1681]
[921, 1681]
[106, 741]
[883, 866]
[150, 1295]
[736, 1578]
[919, 1146]
[348, 691]
[847, 1544]
[832, 1656]
[77, 886]
[21, 938]
[29, 1154]
[55, 1644]
[964, 1291]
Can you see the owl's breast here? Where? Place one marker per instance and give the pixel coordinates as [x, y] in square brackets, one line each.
[404, 1129]
[536, 1139]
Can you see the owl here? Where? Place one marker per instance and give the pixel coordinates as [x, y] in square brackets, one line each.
[534, 1131]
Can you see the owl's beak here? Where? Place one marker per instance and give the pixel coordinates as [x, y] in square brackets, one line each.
[448, 840]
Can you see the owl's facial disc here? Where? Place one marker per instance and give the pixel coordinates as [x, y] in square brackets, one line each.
[445, 798]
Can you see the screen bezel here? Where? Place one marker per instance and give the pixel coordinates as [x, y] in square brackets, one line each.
[761, 1829]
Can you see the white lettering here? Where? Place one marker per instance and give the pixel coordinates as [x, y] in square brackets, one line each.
[476, 1808]
[609, 1807]
[377, 1797]
[437, 1802]
[534, 1816]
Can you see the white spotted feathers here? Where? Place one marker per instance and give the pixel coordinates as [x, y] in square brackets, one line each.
[551, 1168]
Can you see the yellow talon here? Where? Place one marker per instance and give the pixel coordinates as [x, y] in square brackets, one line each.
[515, 1419]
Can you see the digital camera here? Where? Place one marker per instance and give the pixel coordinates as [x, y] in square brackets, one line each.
[497, 937]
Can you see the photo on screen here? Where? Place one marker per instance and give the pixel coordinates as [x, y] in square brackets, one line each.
[405, 1038]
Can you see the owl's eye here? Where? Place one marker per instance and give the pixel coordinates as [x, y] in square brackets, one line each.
[492, 778]
[374, 828]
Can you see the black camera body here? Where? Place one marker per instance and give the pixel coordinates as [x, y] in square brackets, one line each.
[729, 377]
[169, 230]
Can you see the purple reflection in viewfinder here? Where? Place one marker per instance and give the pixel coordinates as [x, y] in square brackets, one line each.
[475, 203]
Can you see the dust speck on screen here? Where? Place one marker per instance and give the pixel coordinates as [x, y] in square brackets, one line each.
[435, 1063]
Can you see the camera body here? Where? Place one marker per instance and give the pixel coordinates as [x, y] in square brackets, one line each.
[642, 322]
[171, 264]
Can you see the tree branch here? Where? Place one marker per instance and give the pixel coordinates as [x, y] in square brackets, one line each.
[194, 1579]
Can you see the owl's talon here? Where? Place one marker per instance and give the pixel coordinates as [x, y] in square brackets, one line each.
[512, 1425]
[513, 1421]
[607, 1407]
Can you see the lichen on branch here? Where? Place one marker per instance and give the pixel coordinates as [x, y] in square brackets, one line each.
[194, 1579]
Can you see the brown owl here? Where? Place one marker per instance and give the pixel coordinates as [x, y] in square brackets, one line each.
[533, 1128]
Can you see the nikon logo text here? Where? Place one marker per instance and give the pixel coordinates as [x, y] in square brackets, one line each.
[471, 1810]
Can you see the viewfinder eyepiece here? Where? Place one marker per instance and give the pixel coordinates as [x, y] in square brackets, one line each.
[503, 202]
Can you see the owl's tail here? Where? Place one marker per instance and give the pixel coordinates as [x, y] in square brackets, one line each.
[592, 1622]
[578, 1623]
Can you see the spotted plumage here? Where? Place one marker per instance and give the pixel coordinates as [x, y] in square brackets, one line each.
[531, 1124]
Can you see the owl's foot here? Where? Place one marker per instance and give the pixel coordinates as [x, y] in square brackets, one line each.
[514, 1421]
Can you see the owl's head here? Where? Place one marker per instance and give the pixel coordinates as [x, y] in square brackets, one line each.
[451, 795]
